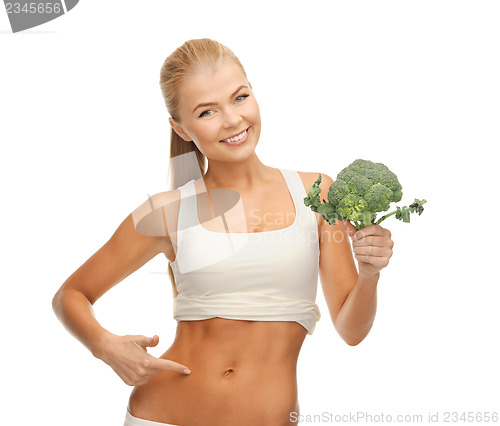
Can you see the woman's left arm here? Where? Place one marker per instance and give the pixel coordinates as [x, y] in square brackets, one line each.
[372, 247]
[351, 296]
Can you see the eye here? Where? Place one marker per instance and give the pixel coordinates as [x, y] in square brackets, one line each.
[203, 113]
[243, 96]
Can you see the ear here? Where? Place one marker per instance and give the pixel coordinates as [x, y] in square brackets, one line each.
[179, 130]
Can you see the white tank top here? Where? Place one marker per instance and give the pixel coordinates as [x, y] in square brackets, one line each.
[259, 276]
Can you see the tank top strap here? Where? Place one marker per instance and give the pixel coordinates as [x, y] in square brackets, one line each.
[297, 190]
[188, 208]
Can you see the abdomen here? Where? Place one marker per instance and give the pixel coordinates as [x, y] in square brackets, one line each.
[242, 372]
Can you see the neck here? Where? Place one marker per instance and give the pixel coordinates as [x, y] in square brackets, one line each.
[246, 175]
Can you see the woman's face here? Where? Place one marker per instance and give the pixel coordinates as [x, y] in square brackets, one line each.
[233, 109]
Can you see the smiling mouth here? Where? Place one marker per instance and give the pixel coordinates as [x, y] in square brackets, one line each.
[239, 136]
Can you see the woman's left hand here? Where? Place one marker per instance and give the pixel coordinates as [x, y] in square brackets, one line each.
[372, 247]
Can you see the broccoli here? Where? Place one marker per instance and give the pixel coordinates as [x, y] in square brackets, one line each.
[361, 190]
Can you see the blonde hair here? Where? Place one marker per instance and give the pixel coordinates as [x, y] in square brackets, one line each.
[194, 56]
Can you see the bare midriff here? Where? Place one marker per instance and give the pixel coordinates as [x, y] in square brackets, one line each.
[242, 373]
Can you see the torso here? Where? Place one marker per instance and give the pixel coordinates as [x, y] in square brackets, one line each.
[242, 372]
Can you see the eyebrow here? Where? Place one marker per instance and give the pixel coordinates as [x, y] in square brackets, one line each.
[215, 103]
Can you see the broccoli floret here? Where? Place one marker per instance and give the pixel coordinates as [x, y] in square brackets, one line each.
[361, 190]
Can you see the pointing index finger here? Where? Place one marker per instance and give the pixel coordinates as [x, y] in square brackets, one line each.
[166, 364]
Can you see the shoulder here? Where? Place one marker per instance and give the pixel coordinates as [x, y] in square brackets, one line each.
[154, 216]
[156, 219]
[308, 178]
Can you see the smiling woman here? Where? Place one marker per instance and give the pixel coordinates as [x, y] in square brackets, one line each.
[233, 119]
[245, 286]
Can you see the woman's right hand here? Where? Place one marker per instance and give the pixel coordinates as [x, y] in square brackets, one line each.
[128, 357]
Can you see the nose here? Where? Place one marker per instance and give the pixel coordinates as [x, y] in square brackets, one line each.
[232, 118]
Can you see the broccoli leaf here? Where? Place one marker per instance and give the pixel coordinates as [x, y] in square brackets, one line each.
[361, 190]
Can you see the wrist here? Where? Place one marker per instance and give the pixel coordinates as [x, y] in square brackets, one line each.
[368, 279]
[102, 343]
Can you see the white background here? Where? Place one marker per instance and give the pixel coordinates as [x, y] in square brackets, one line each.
[85, 139]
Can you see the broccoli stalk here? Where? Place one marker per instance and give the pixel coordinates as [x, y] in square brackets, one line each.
[403, 213]
[361, 190]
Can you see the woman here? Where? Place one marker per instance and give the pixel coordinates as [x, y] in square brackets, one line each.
[244, 269]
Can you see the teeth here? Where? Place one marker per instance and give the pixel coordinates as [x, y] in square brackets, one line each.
[237, 138]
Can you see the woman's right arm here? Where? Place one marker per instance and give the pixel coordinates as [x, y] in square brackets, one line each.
[125, 252]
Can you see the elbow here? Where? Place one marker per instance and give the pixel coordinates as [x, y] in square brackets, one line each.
[353, 342]
[56, 302]
[353, 337]
[350, 339]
